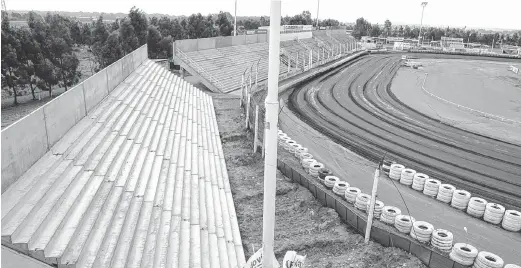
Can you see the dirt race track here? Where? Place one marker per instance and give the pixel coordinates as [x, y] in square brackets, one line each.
[356, 108]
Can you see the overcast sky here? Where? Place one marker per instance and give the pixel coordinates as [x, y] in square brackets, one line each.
[475, 13]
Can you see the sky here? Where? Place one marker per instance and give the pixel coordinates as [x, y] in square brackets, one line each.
[503, 14]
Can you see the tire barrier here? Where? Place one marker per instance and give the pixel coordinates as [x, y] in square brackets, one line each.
[418, 181]
[422, 231]
[407, 176]
[330, 181]
[464, 254]
[494, 213]
[476, 207]
[442, 240]
[386, 166]
[396, 171]
[340, 188]
[361, 201]
[378, 206]
[512, 221]
[431, 187]
[288, 143]
[404, 223]
[460, 199]
[488, 260]
[307, 162]
[389, 214]
[351, 193]
[293, 148]
[323, 173]
[445, 193]
[314, 168]
[301, 150]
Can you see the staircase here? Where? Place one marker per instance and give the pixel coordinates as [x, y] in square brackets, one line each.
[141, 182]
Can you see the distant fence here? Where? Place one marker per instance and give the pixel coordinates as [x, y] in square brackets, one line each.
[30, 138]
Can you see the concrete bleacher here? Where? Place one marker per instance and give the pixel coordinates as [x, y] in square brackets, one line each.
[140, 181]
[220, 64]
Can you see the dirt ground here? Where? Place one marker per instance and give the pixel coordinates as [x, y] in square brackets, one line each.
[302, 223]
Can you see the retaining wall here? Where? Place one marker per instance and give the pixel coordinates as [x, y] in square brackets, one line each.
[29, 138]
[188, 45]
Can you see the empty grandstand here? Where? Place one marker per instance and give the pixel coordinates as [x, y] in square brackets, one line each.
[129, 172]
[221, 61]
[452, 44]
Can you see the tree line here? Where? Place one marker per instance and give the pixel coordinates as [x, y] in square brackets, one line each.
[363, 27]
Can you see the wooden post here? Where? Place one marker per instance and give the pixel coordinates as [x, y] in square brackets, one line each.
[371, 206]
[256, 133]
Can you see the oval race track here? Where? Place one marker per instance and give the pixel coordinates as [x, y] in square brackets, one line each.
[355, 107]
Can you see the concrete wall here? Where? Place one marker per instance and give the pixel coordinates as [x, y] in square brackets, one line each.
[217, 42]
[291, 36]
[29, 138]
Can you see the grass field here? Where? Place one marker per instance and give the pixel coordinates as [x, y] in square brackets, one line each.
[484, 86]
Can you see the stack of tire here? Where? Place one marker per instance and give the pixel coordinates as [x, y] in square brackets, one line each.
[431, 187]
[422, 231]
[300, 150]
[362, 200]
[488, 260]
[442, 240]
[378, 206]
[340, 188]
[293, 148]
[494, 213]
[476, 207]
[512, 266]
[304, 156]
[389, 214]
[314, 168]
[404, 223]
[307, 162]
[445, 193]
[407, 176]
[330, 181]
[288, 145]
[418, 182]
[396, 171]
[512, 221]
[460, 199]
[283, 138]
[386, 166]
[323, 173]
[351, 193]
[463, 254]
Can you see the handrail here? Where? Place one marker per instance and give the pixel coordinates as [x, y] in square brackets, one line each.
[200, 69]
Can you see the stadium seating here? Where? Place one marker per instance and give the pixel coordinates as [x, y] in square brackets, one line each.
[141, 182]
[227, 64]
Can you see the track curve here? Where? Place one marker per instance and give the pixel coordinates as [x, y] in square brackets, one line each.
[354, 106]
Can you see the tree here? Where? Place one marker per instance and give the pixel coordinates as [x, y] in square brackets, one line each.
[47, 76]
[179, 31]
[388, 27]
[361, 28]
[112, 50]
[154, 21]
[114, 26]
[209, 28]
[86, 38]
[28, 58]
[127, 34]
[225, 27]
[10, 63]
[153, 41]
[69, 75]
[264, 21]
[138, 20]
[195, 26]
[165, 26]
[375, 30]
[75, 31]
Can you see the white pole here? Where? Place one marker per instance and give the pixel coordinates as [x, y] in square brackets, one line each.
[421, 21]
[247, 108]
[318, 8]
[256, 133]
[242, 89]
[289, 62]
[272, 118]
[235, 18]
[371, 206]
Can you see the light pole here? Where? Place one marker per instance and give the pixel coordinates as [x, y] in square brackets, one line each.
[272, 117]
[318, 8]
[235, 18]
[421, 22]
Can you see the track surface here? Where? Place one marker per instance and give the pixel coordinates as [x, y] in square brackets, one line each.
[355, 107]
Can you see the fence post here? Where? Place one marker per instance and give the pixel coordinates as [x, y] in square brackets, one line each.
[251, 71]
[289, 62]
[263, 142]
[296, 66]
[256, 133]
[247, 109]
[242, 90]
[371, 206]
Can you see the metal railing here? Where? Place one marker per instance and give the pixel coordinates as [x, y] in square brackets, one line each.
[200, 69]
